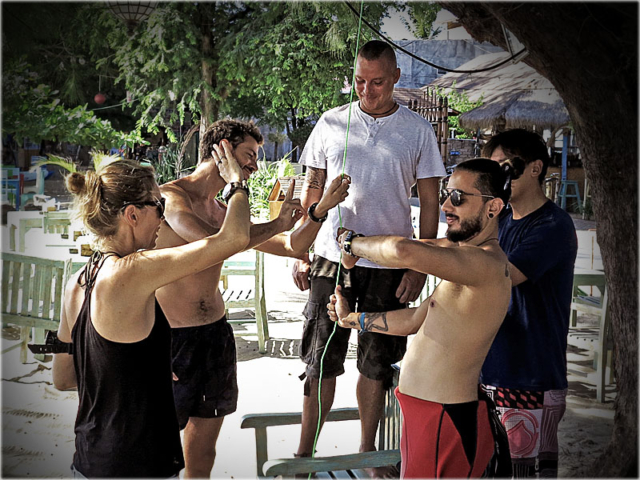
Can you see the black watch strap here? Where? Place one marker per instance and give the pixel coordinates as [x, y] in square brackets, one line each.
[232, 188]
[310, 212]
[346, 245]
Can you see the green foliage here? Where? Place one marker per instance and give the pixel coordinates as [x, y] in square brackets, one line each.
[100, 160]
[423, 15]
[65, 163]
[292, 60]
[458, 100]
[169, 165]
[279, 62]
[262, 181]
[32, 109]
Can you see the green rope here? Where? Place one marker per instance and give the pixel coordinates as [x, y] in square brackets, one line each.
[344, 162]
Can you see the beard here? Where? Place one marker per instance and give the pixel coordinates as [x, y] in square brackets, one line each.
[468, 229]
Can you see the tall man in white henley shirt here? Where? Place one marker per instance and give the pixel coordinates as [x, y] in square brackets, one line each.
[390, 149]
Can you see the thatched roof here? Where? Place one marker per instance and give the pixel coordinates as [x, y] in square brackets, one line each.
[513, 95]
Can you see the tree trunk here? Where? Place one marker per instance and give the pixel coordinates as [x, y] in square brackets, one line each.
[209, 107]
[206, 102]
[588, 51]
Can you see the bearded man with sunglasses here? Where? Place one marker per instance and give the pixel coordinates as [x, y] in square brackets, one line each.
[526, 369]
[448, 428]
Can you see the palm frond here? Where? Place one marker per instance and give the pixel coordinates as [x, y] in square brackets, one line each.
[101, 160]
[65, 163]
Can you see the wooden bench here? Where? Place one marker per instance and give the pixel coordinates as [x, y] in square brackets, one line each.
[246, 264]
[338, 466]
[32, 291]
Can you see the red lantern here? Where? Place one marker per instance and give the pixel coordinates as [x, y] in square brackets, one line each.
[100, 98]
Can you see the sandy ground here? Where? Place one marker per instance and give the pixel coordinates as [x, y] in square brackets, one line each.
[37, 420]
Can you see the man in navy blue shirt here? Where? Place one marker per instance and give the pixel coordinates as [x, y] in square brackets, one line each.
[526, 370]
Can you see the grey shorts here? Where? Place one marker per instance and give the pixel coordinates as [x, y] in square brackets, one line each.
[204, 360]
[368, 290]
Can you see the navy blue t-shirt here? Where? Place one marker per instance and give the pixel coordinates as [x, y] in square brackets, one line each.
[530, 349]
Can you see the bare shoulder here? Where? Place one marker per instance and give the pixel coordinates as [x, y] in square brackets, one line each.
[173, 190]
[73, 288]
[498, 262]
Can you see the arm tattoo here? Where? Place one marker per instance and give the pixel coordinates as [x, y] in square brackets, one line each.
[370, 318]
[353, 324]
[316, 178]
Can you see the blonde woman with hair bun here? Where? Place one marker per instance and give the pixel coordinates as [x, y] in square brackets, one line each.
[121, 341]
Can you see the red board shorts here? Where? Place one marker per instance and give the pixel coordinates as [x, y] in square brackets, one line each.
[444, 440]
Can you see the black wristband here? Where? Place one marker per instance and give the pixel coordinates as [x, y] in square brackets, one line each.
[312, 209]
[233, 187]
[346, 245]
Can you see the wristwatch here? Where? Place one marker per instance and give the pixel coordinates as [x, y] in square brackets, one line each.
[233, 187]
[312, 209]
[346, 244]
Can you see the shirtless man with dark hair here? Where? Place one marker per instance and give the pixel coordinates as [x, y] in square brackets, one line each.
[204, 353]
[446, 430]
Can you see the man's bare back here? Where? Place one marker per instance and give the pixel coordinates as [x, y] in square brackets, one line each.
[194, 300]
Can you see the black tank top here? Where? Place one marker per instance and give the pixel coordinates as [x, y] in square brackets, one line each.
[126, 424]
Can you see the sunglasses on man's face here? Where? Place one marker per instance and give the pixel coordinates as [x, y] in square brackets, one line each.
[159, 203]
[457, 196]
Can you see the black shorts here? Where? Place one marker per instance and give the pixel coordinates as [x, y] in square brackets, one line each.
[368, 290]
[204, 360]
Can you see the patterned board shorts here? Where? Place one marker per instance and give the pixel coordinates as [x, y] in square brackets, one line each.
[531, 419]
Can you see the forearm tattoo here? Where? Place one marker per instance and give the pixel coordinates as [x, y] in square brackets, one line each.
[316, 178]
[370, 318]
[352, 324]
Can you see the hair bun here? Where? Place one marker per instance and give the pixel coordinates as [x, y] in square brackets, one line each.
[76, 183]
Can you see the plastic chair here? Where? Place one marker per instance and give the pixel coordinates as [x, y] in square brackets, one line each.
[11, 185]
[28, 193]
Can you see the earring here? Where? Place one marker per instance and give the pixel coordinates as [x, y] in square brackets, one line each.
[491, 215]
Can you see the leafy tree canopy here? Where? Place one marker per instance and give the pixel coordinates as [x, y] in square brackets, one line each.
[422, 14]
[32, 109]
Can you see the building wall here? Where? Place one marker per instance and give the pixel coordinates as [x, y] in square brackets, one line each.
[446, 53]
[460, 149]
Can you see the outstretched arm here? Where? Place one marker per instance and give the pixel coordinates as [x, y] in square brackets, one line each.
[412, 281]
[290, 212]
[464, 265]
[146, 271]
[298, 243]
[406, 321]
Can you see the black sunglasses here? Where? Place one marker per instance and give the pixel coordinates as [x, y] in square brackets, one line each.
[456, 196]
[158, 203]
